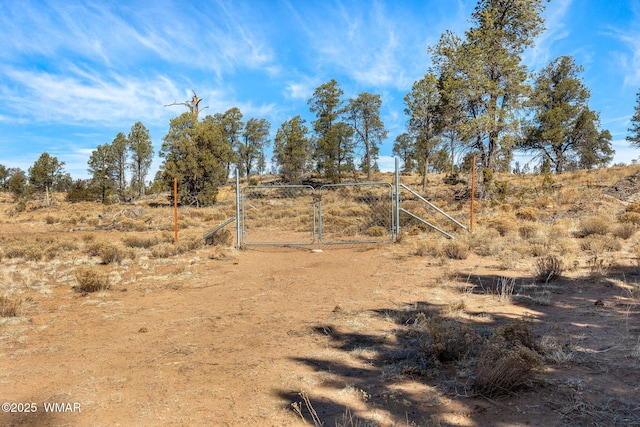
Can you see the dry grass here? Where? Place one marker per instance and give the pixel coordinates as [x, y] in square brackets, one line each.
[599, 225]
[549, 268]
[90, 279]
[9, 307]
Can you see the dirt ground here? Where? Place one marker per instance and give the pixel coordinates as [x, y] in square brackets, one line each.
[238, 338]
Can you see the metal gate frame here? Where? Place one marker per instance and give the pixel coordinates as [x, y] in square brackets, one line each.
[395, 211]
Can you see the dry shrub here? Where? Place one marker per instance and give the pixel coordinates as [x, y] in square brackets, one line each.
[549, 268]
[455, 250]
[598, 244]
[137, 241]
[220, 238]
[376, 231]
[503, 225]
[594, 225]
[164, 250]
[452, 340]
[33, 253]
[15, 250]
[90, 279]
[527, 231]
[527, 214]
[624, 231]
[519, 332]
[429, 248]
[109, 253]
[9, 307]
[504, 368]
[633, 207]
[630, 218]
[486, 242]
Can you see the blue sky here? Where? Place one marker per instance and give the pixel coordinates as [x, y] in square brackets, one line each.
[75, 73]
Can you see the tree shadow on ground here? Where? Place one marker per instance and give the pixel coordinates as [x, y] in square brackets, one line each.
[397, 377]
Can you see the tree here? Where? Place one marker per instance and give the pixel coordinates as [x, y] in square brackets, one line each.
[17, 183]
[424, 125]
[488, 72]
[119, 148]
[194, 153]
[45, 174]
[141, 150]
[404, 148]
[334, 144]
[634, 131]
[4, 176]
[363, 113]
[231, 125]
[292, 149]
[101, 167]
[252, 144]
[563, 128]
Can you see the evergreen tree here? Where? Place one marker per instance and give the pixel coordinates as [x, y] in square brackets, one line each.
[363, 114]
[119, 148]
[195, 153]
[634, 131]
[46, 174]
[404, 148]
[333, 144]
[141, 150]
[102, 168]
[563, 128]
[424, 123]
[292, 149]
[251, 146]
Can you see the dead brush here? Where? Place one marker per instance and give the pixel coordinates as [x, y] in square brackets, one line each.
[455, 250]
[548, 268]
[449, 340]
[594, 225]
[140, 241]
[9, 307]
[503, 368]
[90, 279]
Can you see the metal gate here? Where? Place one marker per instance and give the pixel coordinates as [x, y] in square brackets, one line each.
[301, 215]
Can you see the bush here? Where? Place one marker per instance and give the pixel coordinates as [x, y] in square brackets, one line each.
[137, 241]
[503, 369]
[630, 218]
[90, 279]
[8, 307]
[594, 225]
[625, 231]
[110, 253]
[452, 340]
[456, 250]
[528, 214]
[549, 268]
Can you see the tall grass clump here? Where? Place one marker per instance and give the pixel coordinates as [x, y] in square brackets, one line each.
[549, 268]
[594, 225]
[90, 279]
[9, 307]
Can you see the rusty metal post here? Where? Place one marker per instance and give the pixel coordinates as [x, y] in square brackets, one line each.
[175, 210]
[473, 192]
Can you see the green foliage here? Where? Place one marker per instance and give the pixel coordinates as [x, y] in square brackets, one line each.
[563, 129]
[363, 113]
[484, 73]
[292, 149]
[46, 173]
[17, 184]
[102, 170]
[334, 139]
[252, 144]
[634, 131]
[141, 150]
[422, 108]
[404, 148]
[195, 153]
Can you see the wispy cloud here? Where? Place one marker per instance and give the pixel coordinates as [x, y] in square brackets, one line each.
[555, 17]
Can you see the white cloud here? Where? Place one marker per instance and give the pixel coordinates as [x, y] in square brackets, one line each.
[555, 17]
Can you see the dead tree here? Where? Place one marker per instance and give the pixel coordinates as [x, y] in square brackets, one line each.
[194, 104]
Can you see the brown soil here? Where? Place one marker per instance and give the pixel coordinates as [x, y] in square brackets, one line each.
[225, 338]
